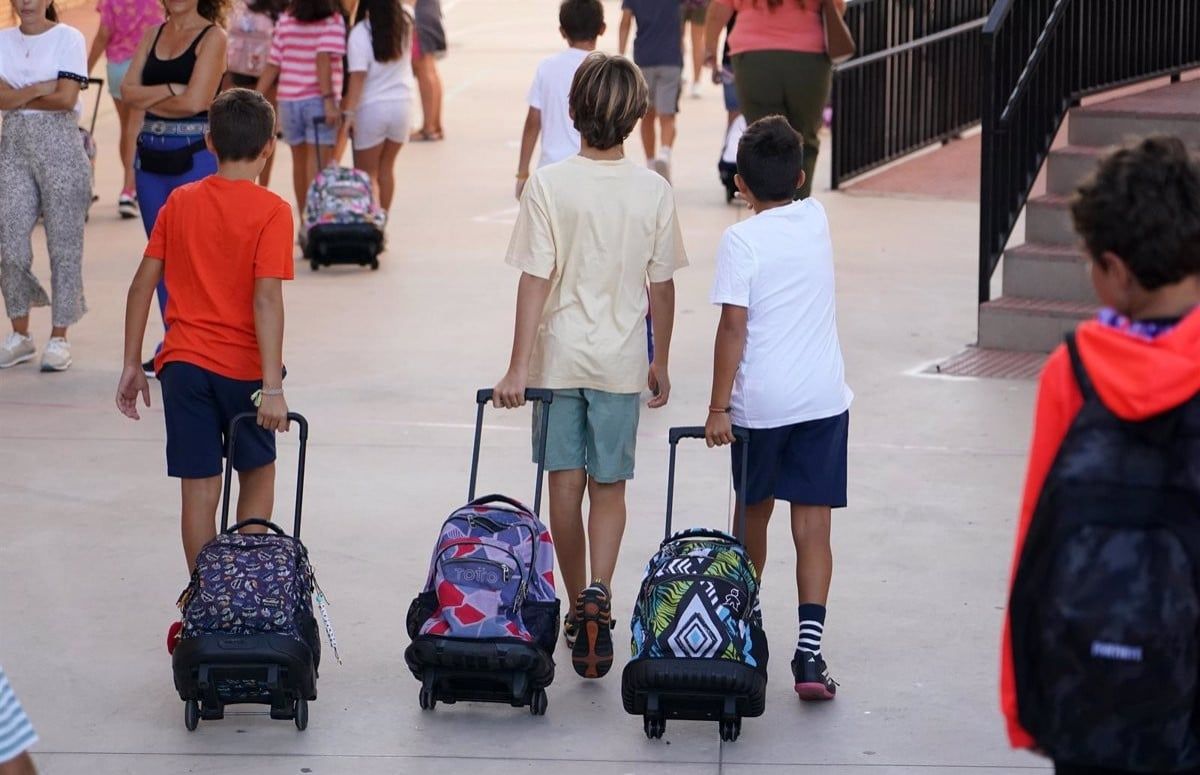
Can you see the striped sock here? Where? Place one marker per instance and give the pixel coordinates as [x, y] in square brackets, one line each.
[812, 627]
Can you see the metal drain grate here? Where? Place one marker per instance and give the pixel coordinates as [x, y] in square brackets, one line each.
[990, 364]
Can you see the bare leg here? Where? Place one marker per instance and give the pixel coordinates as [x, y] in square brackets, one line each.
[264, 178]
[22, 765]
[606, 527]
[387, 173]
[648, 140]
[814, 555]
[668, 130]
[256, 495]
[131, 121]
[758, 516]
[21, 325]
[58, 332]
[421, 67]
[199, 519]
[697, 51]
[566, 525]
[367, 160]
[300, 154]
[435, 102]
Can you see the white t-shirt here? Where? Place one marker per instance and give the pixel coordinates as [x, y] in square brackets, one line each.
[597, 230]
[550, 93]
[385, 80]
[59, 52]
[779, 265]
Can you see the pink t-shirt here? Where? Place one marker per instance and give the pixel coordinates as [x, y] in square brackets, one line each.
[791, 26]
[294, 48]
[127, 20]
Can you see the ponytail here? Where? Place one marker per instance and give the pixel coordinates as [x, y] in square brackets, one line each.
[51, 12]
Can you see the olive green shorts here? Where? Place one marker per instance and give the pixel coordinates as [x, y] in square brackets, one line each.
[592, 430]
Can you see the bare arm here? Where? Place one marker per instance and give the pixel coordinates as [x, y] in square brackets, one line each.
[137, 309]
[727, 356]
[64, 97]
[22, 765]
[662, 317]
[99, 43]
[529, 138]
[268, 323]
[717, 19]
[198, 93]
[325, 79]
[623, 31]
[270, 75]
[12, 99]
[532, 293]
[132, 90]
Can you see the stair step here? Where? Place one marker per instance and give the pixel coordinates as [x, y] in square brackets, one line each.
[1048, 272]
[1029, 325]
[1048, 221]
[1068, 167]
[1170, 110]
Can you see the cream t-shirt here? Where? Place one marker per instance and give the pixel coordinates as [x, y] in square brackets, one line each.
[597, 230]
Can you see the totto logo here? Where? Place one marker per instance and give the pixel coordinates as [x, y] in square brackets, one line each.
[476, 576]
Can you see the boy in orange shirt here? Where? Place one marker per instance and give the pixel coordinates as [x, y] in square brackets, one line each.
[1140, 222]
[225, 246]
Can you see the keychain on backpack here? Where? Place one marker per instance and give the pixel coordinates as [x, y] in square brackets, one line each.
[322, 604]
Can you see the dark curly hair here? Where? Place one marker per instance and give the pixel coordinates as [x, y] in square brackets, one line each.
[1143, 204]
[390, 27]
[608, 97]
[770, 158]
[581, 20]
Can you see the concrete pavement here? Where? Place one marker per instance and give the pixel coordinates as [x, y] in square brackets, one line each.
[385, 365]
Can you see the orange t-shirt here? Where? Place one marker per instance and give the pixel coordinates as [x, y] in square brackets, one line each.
[215, 237]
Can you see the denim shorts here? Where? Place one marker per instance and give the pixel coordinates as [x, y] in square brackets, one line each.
[803, 464]
[296, 119]
[115, 73]
[590, 429]
[198, 406]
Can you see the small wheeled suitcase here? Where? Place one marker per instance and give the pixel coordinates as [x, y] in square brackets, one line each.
[485, 626]
[249, 635]
[699, 649]
[342, 224]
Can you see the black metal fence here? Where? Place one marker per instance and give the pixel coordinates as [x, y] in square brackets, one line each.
[914, 82]
[1040, 57]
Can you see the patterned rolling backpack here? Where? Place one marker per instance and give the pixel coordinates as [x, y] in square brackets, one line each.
[485, 626]
[342, 224]
[249, 634]
[699, 651]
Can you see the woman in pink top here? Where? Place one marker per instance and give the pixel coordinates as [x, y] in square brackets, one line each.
[779, 63]
[122, 24]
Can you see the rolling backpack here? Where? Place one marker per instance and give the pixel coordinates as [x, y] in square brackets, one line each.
[699, 651]
[341, 222]
[1105, 608]
[485, 624]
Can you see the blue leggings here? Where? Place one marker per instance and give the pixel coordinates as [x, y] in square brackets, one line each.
[153, 190]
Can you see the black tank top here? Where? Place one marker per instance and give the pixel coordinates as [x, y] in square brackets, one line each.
[157, 72]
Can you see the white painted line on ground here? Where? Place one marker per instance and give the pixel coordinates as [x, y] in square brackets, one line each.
[921, 371]
[506, 217]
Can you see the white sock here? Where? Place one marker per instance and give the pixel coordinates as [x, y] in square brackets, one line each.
[664, 153]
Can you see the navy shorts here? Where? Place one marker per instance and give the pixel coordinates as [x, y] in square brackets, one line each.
[198, 406]
[804, 464]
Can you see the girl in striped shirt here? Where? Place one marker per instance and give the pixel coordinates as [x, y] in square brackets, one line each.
[306, 60]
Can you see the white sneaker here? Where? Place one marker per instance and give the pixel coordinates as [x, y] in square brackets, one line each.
[17, 348]
[57, 355]
[662, 167]
[696, 91]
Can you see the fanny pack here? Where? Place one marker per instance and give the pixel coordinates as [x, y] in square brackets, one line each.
[174, 161]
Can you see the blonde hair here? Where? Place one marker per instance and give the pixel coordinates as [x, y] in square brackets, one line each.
[608, 97]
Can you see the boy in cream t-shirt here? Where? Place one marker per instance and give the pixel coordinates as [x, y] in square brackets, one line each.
[592, 230]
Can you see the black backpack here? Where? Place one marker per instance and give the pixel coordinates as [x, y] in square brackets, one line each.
[1105, 607]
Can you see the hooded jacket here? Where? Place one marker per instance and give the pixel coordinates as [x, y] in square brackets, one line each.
[1136, 378]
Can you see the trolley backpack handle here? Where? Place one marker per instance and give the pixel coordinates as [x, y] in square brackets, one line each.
[255, 521]
[99, 84]
[482, 399]
[697, 432]
[318, 122]
[295, 417]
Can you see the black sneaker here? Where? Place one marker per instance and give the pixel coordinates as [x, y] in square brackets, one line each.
[148, 369]
[813, 683]
[592, 654]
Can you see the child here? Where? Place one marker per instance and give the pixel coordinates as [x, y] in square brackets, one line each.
[1139, 220]
[658, 51]
[306, 60]
[778, 372]
[16, 733]
[580, 22]
[592, 229]
[224, 338]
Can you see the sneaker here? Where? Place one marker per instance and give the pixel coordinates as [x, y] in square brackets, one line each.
[696, 90]
[570, 630]
[592, 654]
[813, 683]
[17, 348]
[662, 167]
[57, 355]
[149, 370]
[127, 205]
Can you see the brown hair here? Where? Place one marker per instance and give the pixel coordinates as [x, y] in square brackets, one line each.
[240, 123]
[608, 97]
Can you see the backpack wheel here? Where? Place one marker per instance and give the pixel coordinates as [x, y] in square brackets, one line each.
[191, 715]
[538, 703]
[374, 264]
[301, 714]
[315, 264]
[731, 729]
[654, 726]
[428, 699]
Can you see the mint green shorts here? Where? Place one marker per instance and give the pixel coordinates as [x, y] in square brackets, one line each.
[590, 429]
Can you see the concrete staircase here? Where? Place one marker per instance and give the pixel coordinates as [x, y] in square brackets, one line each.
[1046, 288]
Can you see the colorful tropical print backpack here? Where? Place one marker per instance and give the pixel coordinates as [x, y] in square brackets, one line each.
[491, 577]
[341, 195]
[699, 600]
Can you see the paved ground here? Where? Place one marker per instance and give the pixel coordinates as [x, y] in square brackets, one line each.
[385, 365]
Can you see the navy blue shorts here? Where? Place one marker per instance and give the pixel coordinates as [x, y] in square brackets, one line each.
[198, 406]
[804, 464]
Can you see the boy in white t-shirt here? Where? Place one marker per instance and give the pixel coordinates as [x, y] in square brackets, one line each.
[778, 373]
[581, 22]
[592, 230]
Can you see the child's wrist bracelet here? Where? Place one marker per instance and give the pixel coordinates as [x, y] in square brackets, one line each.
[718, 410]
[275, 392]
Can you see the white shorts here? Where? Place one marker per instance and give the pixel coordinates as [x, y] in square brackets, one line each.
[378, 121]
